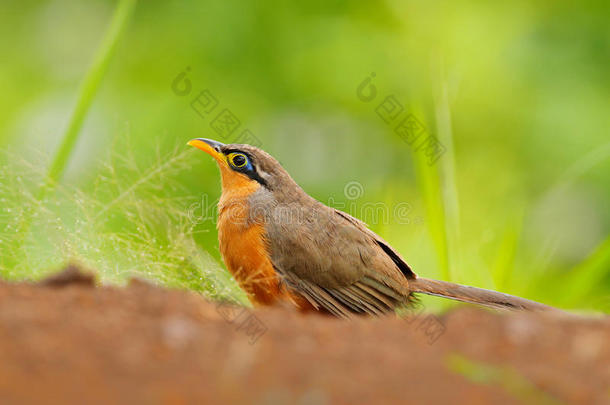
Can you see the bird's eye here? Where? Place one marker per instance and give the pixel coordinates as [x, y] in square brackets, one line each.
[238, 159]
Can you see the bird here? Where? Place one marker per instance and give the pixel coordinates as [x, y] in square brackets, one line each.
[284, 247]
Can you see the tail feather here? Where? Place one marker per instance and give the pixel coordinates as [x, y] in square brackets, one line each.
[474, 295]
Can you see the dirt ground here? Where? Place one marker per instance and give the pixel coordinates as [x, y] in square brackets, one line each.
[67, 341]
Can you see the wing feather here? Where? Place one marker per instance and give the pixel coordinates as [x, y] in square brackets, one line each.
[335, 262]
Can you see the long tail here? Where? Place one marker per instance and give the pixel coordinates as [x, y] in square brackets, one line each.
[474, 295]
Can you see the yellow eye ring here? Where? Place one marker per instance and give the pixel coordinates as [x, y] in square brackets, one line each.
[238, 159]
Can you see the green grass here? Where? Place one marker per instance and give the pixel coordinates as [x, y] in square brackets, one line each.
[504, 262]
[438, 186]
[86, 95]
[89, 89]
[132, 223]
[585, 279]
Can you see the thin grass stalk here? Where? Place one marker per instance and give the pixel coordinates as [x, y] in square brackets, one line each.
[88, 90]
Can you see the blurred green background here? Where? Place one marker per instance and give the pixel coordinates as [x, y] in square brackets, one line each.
[518, 94]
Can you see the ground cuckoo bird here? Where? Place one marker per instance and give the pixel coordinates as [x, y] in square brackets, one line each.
[282, 245]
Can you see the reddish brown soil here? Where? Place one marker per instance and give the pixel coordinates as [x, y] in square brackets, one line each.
[70, 342]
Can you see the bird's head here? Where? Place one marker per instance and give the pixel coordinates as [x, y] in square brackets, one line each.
[245, 167]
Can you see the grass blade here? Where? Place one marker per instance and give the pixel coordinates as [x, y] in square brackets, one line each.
[88, 90]
[587, 276]
[437, 182]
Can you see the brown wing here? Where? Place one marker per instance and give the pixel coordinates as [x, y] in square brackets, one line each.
[335, 262]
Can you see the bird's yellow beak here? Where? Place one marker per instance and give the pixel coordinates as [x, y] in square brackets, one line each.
[210, 147]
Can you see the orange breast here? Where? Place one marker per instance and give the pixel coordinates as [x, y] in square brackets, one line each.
[243, 250]
[243, 246]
